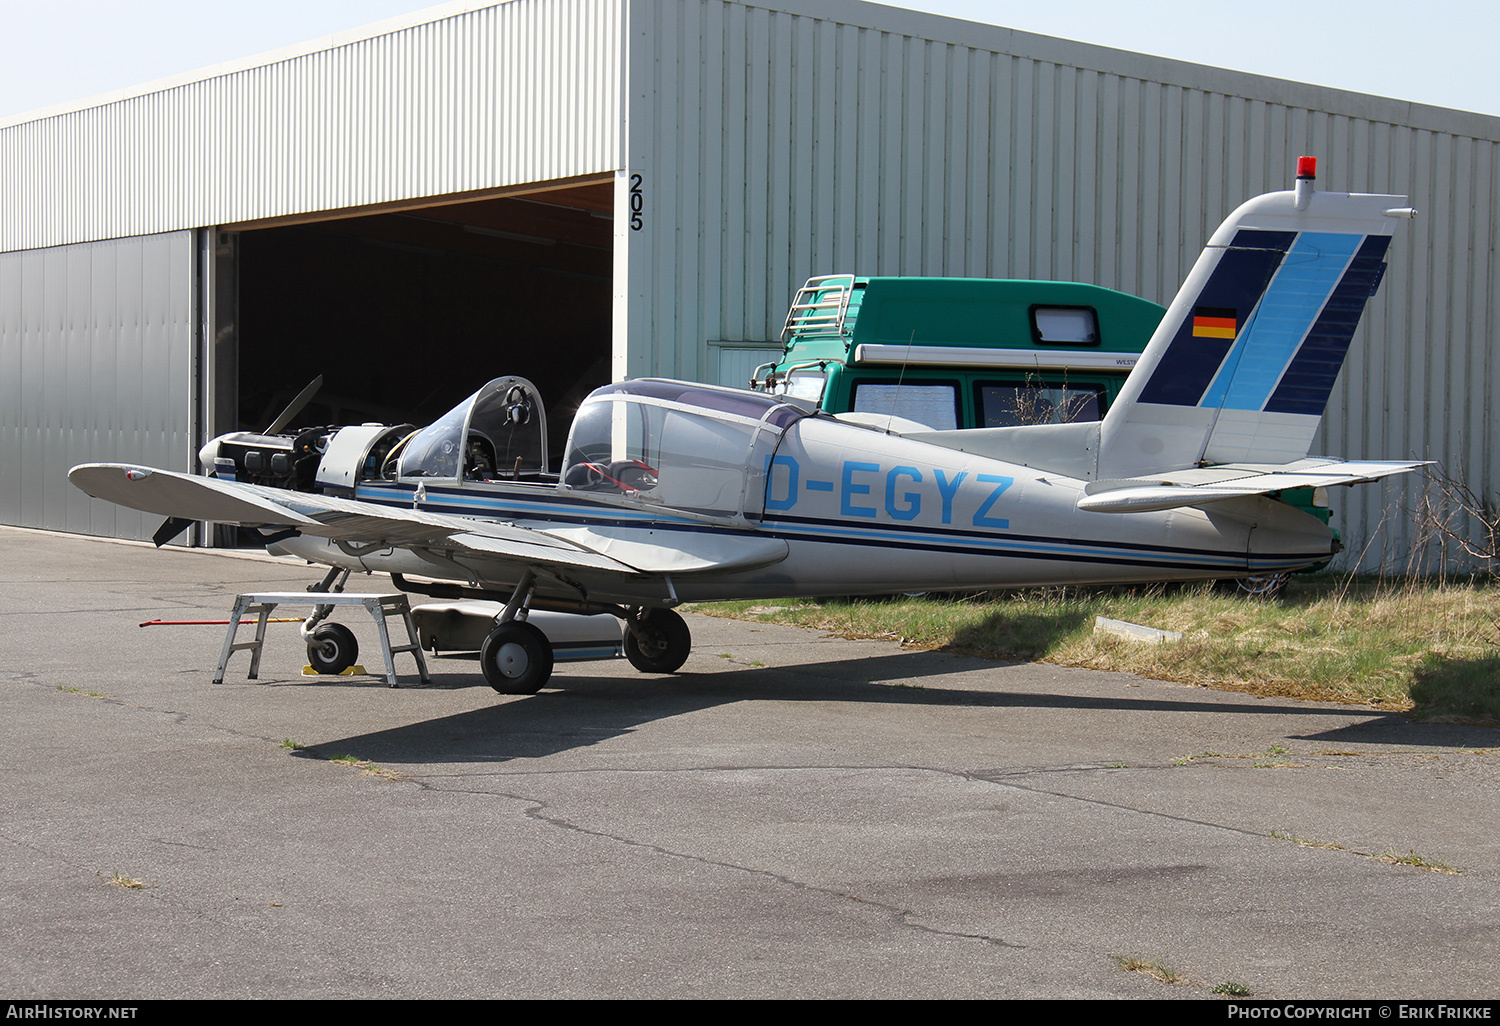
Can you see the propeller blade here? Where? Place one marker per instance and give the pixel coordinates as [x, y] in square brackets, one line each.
[170, 528]
[295, 406]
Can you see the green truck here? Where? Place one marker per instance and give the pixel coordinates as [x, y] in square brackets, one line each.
[950, 353]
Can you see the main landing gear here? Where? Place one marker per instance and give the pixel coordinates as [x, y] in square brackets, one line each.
[517, 657]
[657, 640]
[1264, 586]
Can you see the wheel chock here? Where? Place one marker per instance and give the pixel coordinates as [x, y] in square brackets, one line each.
[357, 670]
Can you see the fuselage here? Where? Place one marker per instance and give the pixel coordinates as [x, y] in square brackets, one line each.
[860, 511]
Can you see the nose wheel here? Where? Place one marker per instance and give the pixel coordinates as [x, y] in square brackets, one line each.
[333, 648]
[658, 641]
[516, 658]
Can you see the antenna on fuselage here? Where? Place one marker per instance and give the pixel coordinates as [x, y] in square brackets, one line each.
[900, 379]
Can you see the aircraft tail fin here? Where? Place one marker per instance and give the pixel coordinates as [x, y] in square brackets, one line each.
[1241, 367]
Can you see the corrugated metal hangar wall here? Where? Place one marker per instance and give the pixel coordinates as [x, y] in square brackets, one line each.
[97, 363]
[476, 110]
[744, 147]
[795, 138]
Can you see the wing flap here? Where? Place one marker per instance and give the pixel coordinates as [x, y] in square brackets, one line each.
[530, 553]
[680, 552]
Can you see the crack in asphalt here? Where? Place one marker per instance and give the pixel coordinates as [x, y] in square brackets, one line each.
[539, 810]
[542, 811]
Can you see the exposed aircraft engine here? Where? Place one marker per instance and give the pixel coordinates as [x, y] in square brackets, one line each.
[310, 459]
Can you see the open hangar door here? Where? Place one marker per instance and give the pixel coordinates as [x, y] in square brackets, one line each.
[407, 311]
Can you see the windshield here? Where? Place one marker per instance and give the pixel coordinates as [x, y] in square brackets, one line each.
[498, 433]
[691, 447]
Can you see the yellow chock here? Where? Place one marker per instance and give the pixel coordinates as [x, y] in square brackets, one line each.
[357, 670]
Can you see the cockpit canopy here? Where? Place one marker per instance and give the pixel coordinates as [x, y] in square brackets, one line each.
[497, 434]
[696, 448]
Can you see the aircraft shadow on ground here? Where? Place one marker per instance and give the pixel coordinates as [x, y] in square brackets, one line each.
[1464, 687]
[1020, 631]
[577, 712]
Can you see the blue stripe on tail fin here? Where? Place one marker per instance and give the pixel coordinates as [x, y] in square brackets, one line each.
[1311, 272]
[1309, 378]
[1243, 363]
[1192, 360]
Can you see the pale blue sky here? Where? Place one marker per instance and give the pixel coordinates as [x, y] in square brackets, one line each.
[1438, 51]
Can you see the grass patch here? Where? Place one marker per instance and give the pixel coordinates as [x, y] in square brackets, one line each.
[1390, 856]
[730, 657]
[1158, 970]
[1428, 647]
[366, 767]
[127, 882]
[1411, 858]
[1154, 968]
[80, 691]
[1456, 687]
[1274, 750]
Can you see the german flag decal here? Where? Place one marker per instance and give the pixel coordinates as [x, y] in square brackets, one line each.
[1213, 322]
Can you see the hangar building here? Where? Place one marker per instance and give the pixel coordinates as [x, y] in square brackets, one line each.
[583, 190]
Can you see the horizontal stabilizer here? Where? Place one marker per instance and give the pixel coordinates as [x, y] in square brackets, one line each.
[1201, 485]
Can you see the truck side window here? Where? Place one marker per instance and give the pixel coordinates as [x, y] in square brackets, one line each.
[1065, 325]
[933, 404]
[1038, 403]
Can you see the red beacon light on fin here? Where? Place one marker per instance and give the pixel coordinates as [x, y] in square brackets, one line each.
[1307, 170]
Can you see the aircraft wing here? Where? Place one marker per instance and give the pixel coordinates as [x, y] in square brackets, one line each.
[630, 551]
[1199, 485]
[364, 523]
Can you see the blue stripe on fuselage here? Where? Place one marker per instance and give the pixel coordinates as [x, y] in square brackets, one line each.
[570, 510]
[940, 540]
[545, 505]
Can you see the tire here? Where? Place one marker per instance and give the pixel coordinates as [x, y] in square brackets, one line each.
[333, 648]
[666, 644]
[517, 658]
[1262, 586]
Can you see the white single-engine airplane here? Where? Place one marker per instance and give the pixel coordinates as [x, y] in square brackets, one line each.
[673, 492]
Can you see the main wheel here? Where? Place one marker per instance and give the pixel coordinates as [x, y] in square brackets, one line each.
[1264, 586]
[665, 645]
[517, 658]
[333, 648]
